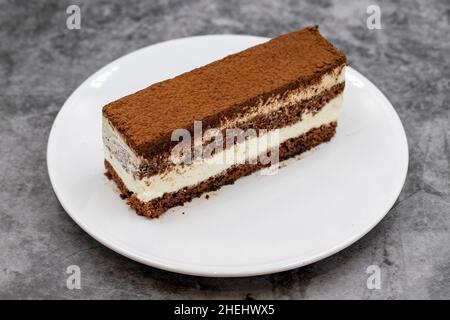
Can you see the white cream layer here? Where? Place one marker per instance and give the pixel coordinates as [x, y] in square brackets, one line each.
[149, 188]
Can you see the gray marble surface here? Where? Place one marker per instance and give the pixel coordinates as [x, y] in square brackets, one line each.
[42, 62]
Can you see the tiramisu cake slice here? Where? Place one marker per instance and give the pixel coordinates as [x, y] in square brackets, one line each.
[282, 97]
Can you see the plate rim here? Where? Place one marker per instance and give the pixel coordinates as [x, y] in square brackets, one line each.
[228, 271]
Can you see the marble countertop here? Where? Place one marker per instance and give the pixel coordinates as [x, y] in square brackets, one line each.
[42, 62]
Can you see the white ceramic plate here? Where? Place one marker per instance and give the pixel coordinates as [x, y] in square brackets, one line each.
[311, 209]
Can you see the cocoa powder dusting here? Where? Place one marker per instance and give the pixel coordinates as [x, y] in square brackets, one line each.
[220, 89]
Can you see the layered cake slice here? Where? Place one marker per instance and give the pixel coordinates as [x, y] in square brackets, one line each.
[194, 133]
